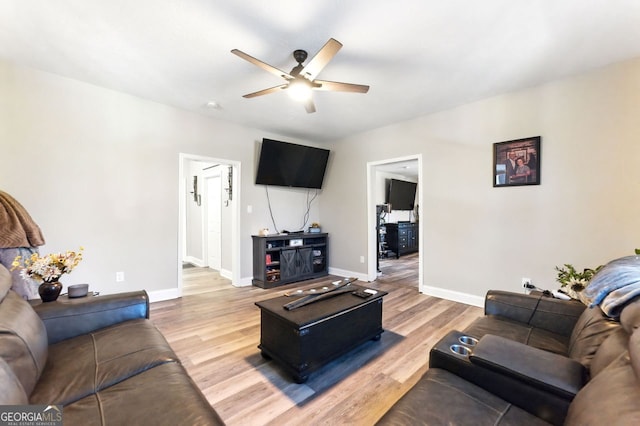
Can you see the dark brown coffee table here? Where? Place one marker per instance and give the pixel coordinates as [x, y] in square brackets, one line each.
[305, 339]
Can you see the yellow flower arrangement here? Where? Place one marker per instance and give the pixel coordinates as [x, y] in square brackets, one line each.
[47, 268]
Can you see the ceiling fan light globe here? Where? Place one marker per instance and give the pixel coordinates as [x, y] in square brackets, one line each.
[299, 91]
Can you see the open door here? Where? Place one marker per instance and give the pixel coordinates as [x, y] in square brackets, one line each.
[214, 220]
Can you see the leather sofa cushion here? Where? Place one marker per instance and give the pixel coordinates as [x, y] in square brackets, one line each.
[86, 364]
[609, 351]
[165, 389]
[630, 316]
[442, 398]
[634, 342]
[592, 328]
[519, 332]
[23, 340]
[11, 392]
[612, 397]
[539, 311]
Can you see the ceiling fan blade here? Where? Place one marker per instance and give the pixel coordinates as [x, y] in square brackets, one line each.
[265, 91]
[321, 59]
[341, 87]
[310, 106]
[273, 70]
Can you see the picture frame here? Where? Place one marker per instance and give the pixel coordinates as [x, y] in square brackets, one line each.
[517, 162]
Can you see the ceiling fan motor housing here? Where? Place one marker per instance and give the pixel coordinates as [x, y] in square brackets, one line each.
[300, 55]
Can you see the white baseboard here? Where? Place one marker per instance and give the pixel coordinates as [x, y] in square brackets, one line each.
[194, 261]
[347, 274]
[167, 294]
[244, 282]
[225, 273]
[456, 296]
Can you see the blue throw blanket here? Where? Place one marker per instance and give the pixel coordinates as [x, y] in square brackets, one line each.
[613, 286]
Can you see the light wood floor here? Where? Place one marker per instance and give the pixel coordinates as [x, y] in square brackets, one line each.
[215, 330]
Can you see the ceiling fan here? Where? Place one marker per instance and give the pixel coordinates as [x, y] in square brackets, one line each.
[302, 78]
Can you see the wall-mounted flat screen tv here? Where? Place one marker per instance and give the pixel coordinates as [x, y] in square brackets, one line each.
[289, 164]
[401, 195]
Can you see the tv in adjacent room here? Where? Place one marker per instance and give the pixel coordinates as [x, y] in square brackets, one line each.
[289, 164]
[401, 195]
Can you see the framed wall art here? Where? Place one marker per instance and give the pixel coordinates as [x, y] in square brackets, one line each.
[517, 162]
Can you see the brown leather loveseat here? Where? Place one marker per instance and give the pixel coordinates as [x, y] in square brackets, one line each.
[101, 359]
[531, 360]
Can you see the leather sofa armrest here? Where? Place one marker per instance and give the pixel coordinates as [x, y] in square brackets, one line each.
[519, 374]
[533, 367]
[67, 318]
[548, 313]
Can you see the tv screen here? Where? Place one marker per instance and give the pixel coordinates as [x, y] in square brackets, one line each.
[401, 194]
[288, 164]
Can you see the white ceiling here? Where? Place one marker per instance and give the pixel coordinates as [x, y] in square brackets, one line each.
[418, 56]
[406, 168]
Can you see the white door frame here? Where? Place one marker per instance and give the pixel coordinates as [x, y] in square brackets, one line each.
[235, 214]
[372, 240]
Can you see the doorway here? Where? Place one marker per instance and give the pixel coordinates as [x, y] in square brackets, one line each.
[409, 167]
[209, 219]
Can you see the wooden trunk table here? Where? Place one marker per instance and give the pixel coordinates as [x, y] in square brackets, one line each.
[304, 339]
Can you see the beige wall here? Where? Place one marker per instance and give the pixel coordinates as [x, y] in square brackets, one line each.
[99, 169]
[477, 237]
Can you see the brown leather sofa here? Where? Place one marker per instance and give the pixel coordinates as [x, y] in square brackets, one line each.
[99, 357]
[531, 360]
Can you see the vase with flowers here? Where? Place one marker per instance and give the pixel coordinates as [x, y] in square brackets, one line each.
[47, 270]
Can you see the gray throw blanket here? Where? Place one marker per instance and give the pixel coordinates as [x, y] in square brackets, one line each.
[613, 286]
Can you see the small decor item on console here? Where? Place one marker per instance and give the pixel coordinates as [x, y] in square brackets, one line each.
[315, 228]
[78, 290]
[49, 291]
[365, 293]
[47, 270]
[315, 295]
[263, 232]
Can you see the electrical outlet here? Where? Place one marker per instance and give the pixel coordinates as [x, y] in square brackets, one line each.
[361, 259]
[119, 277]
[526, 282]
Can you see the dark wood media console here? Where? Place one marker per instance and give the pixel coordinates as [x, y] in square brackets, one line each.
[282, 259]
[402, 237]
